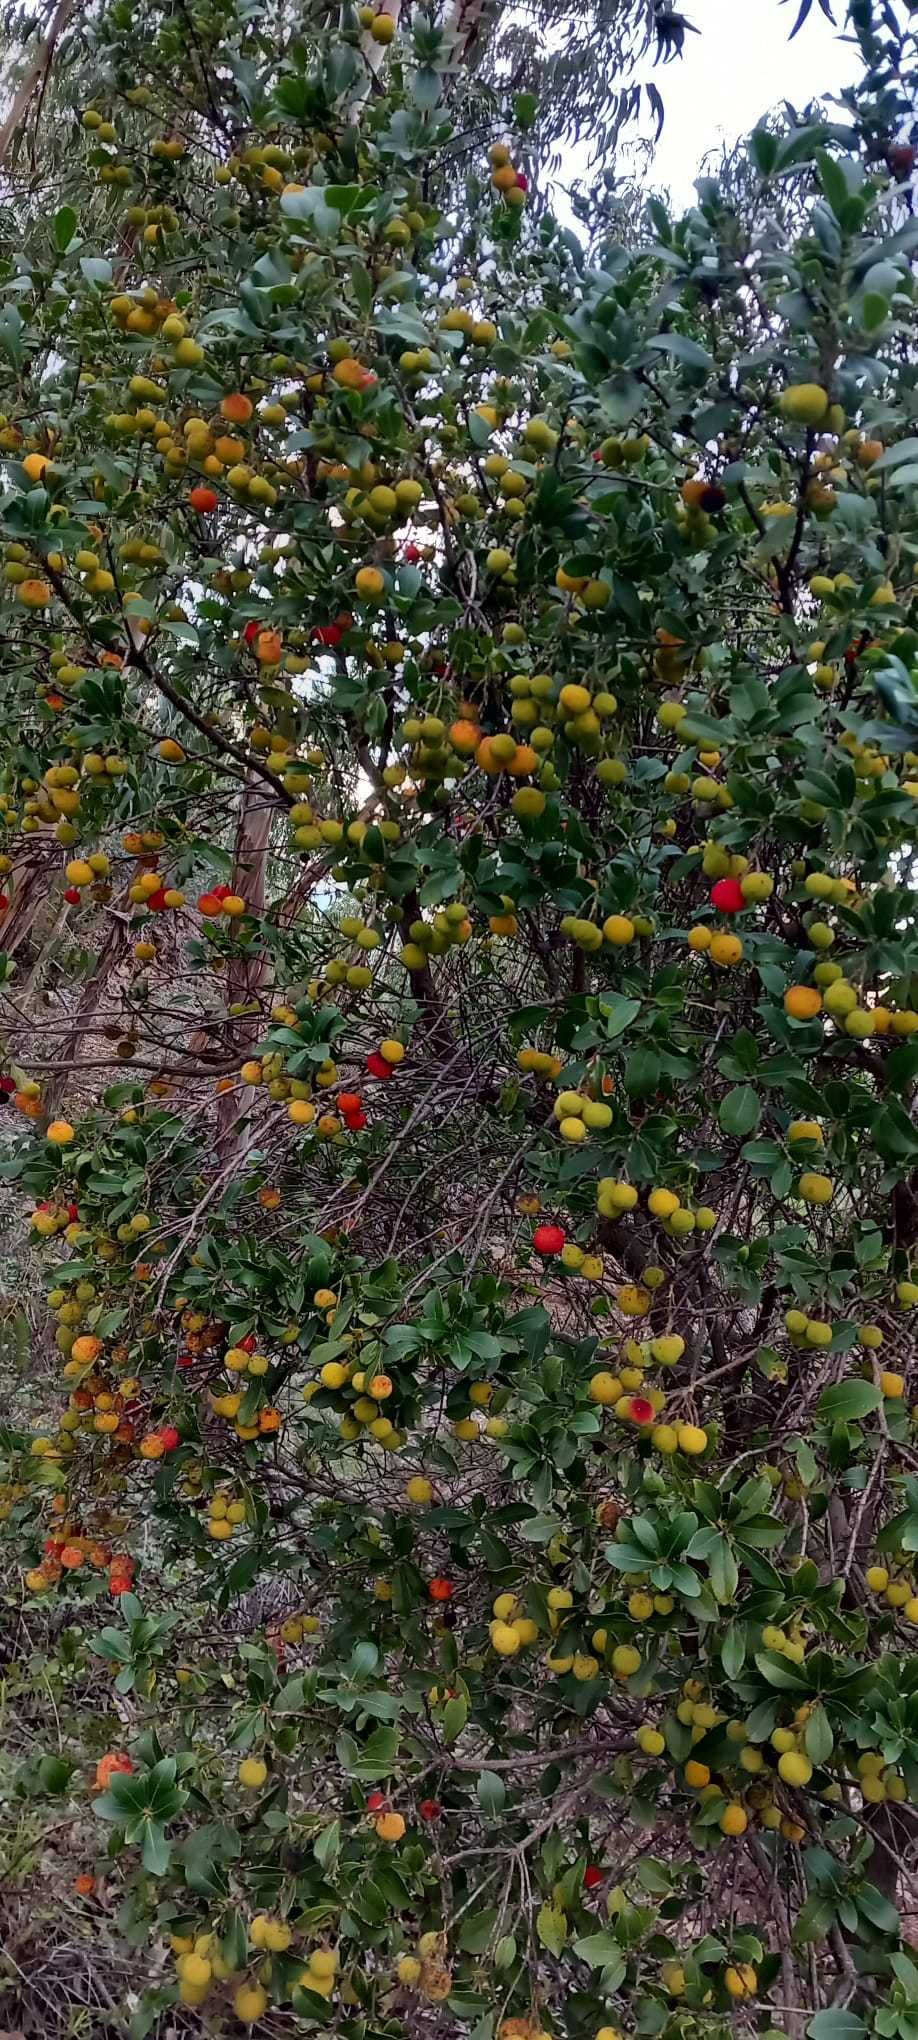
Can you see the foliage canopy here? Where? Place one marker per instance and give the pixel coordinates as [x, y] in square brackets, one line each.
[460, 1017]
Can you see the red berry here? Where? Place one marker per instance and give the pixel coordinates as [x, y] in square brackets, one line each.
[355, 1121]
[641, 1409]
[440, 1590]
[592, 1876]
[169, 1437]
[412, 554]
[378, 1067]
[72, 895]
[208, 905]
[349, 1101]
[7, 1086]
[328, 634]
[901, 161]
[727, 896]
[185, 1360]
[522, 182]
[430, 1809]
[548, 1239]
[375, 1801]
[249, 1343]
[72, 1212]
[157, 901]
[251, 630]
[203, 499]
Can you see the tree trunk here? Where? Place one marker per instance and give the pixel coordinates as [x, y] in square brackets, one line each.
[35, 77]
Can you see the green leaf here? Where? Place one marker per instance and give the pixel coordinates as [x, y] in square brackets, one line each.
[836, 2025]
[904, 449]
[54, 1774]
[778, 1672]
[426, 87]
[476, 1930]
[618, 1014]
[235, 1941]
[723, 1570]
[601, 1951]
[739, 1112]
[878, 1909]
[818, 1740]
[733, 1651]
[96, 269]
[455, 1716]
[326, 1845]
[763, 148]
[681, 348]
[642, 1073]
[64, 227]
[492, 1792]
[848, 1401]
[551, 1928]
[203, 1854]
[156, 1853]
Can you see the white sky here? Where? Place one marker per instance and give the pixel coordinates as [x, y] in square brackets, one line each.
[735, 70]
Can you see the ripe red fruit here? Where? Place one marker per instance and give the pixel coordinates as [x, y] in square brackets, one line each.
[203, 499]
[440, 1589]
[592, 1876]
[72, 1211]
[430, 1809]
[7, 1086]
[412, 554]
[378, 1067]
[328, 634]
[169, 1437]
[522, 182]
[548, 1239]
[727, 896]
[355, 1121]
[348, 1101]
[73, 895]
[901, 161]
[641, 1409]
[249, 1343]
[185, 1360]
[375, 1801]
[157, 901]
[221, 892]
[209, 905]
[251, 630]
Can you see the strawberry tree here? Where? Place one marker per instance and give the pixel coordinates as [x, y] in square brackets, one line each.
[458, 1005]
